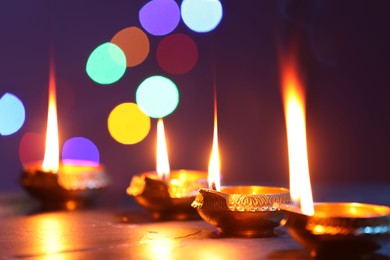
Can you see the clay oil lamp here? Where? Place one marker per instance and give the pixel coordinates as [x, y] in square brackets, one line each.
[168, 194]
[55, 183]
[345, 229]
[244, 211]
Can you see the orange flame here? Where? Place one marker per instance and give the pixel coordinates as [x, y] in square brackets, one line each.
[214, 171]
[294, 106]
[52, 150]
[162, 166]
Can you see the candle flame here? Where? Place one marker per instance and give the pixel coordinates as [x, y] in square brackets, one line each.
[214, 171]
[52, 150]
[294, 106]
[162, 166]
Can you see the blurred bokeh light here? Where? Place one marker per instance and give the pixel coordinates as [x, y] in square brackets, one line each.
[80, 151]
[127, 123]
[31, 148]
[201, 15]
[159, 17]
[106, 64]
[134, 43]
[12, 114]
[177, 54]
[157, 96]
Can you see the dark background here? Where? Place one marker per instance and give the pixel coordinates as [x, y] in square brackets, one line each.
[344, 53]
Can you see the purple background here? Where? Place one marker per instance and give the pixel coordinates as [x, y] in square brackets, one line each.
[346, 59]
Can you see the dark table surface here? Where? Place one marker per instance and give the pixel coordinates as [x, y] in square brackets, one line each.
[123, 230]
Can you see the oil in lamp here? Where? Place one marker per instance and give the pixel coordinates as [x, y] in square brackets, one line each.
[167, 193]
[245, 211]
[326, 229]
[56, 184]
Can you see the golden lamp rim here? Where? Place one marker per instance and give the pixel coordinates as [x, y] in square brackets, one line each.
[251, 199]
[142, 184]
[68, 177]
[37, 166]
[363, 230]
[153, 174]
[337, 210]
[243, 190]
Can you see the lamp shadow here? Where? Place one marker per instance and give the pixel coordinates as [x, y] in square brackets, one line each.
[138, 216]
[305, 254]
[215, 234]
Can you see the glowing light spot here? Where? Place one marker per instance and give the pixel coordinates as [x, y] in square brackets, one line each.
[106, 64]
[157, 96]
[134, 43]
[12, 114]
[49, 234]
[177, 54]
[160, 17]
[201, 15]
[31, 148]
[80, 151]
[71, 205]
[127, 123]
[319, 229]
[160, 248]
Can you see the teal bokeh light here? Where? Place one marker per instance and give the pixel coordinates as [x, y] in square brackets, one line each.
[106, 64]
[12, 114]
[201, 15]
[157, 96]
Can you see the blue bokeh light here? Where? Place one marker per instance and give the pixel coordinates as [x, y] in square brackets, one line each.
[201, 15]
[157, 96]
[12, 114]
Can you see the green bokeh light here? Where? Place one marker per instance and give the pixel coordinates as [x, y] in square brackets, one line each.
[106, 64]
[157, 96]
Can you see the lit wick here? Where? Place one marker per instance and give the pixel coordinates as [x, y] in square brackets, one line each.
[214, 170]
[162, 161]
[51, 159]
[294, 105]
[214, 164]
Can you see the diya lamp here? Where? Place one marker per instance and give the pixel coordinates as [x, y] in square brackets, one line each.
[244, 211]
[167, 193]
[326, 229]
[60, 185]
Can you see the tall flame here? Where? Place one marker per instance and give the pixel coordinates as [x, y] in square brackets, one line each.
[214, 171]
[294, 106]
[162, 166]
[52, 150]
